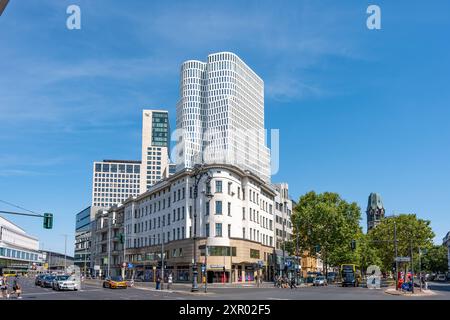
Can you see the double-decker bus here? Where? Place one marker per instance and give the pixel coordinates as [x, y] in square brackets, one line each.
[350, 275]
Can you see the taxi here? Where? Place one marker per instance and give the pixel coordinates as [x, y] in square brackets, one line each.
[114, 283]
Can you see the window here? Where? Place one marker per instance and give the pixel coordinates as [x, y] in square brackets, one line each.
[218, 186]
[254, 254]
[229, 209]
[207, 229]
[229, 231]
[243, 233]
[218, 229]
[207, 208]
[218, 207]
[243, 213]
[229, 188]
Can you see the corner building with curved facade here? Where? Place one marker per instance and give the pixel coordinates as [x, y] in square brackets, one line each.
[221, 115]
[235, 219]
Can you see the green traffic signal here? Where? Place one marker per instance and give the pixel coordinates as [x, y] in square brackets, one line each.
[48, 220]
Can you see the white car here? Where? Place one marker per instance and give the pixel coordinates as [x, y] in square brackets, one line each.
[441, 277]
[64, 282]
[320, 281]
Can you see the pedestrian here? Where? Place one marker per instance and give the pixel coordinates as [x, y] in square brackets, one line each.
[158, 282]
[17, 289]
[293, 285]
[169, 281]
[4, 286]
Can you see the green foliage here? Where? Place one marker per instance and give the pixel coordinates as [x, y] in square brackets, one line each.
[329, 221]
[366, 253]
[435, 259]
[411, 231]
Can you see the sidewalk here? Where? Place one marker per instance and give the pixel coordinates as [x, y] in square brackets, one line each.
[417, 292]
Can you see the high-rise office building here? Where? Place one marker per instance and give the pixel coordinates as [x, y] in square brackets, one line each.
[83, 240]
[221, 113]
[375, 210]
[155, 147]
[114, 181]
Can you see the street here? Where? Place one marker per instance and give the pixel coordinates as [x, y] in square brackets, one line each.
[93, 290]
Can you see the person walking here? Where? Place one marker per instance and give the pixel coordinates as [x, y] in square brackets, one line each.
[169, 281]
[158, 282]
[293, 285]
[4, 286]
[17, 289]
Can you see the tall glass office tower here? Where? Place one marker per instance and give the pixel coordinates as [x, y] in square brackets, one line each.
[221, 114]
[155, 147]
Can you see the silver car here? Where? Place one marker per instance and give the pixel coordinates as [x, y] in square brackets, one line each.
[64, 282]
[320, 281]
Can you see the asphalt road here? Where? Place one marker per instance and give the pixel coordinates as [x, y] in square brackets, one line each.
[93, 290]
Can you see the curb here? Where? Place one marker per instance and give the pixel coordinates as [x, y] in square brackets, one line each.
[394, 292]
[174, 291]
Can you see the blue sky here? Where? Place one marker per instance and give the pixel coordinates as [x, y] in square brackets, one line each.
[358, 110]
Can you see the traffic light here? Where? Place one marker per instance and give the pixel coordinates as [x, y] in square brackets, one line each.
[48, 220]
[353, 245]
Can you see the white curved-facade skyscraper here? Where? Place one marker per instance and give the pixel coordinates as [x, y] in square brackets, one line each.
[221, 114]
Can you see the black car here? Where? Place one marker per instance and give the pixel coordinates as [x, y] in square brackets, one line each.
[38, 280]
[47, 281]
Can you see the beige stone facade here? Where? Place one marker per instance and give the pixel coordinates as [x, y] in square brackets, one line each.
[243, 260]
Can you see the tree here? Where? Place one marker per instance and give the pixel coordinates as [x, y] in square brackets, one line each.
[412, 233]
[330, 222]
[367, 255]
[435, 259]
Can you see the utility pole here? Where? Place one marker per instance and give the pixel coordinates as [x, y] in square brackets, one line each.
[109, 244]
[124, 246]
[198, 174]
[298, 257]
[396, 254]
[284, 235]
[162, 259]
[412, 264]
[65, 252]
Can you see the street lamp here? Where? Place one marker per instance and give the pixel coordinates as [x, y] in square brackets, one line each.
[198, 172]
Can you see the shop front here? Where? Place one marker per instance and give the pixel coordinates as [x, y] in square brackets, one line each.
[217, 274]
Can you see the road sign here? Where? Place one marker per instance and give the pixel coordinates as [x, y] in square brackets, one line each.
[402, 259]
[96, 267]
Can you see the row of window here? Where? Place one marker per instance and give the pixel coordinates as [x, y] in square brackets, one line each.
[17, 254]
[176, 234]
[121, 168]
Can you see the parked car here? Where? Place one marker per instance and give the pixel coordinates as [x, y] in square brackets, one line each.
[441, 277]
[114, 283]
[47, 281]
[64, 282]
[320, 281]
[38, 279]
